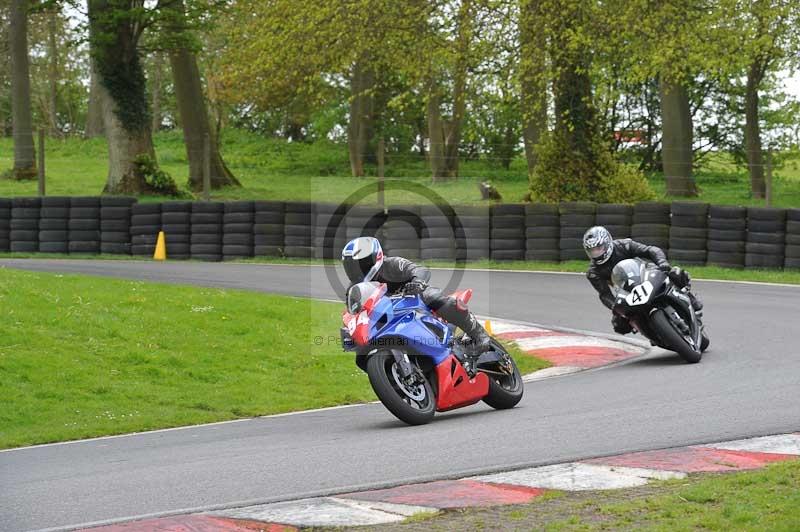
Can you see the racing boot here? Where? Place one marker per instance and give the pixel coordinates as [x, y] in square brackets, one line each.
[480, 341]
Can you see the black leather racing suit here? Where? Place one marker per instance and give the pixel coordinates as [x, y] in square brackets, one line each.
[396, 272]
[600, 274]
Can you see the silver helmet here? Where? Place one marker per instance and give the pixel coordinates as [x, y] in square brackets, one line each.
[598, 244]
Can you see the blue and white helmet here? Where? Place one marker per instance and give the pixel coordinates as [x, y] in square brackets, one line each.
[598, 244]
[362, 257]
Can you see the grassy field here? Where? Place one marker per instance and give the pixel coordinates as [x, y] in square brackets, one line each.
[766, 499]
[275, 169]
[86, 356]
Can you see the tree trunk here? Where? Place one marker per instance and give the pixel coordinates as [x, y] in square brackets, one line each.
[676, 144]
[533, 81]
[158, 68]
[196, 125]
[94, 114]
[52, 73]
[436, 149]
[752, 131]
[22, 122]
[126, 114]
[360, 130]
[124, 147]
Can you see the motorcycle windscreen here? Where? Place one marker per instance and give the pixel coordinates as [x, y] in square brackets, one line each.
[359, 294]
[627, 274]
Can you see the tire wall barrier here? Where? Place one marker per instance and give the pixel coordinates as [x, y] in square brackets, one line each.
[691, 233]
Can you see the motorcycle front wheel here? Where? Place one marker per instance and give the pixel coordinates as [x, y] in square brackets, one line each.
[674, 339]
[412, 404]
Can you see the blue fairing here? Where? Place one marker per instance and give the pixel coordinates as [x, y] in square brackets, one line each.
[409, 319]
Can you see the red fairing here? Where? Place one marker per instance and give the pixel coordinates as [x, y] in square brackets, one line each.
[456, 389]
[358, 326]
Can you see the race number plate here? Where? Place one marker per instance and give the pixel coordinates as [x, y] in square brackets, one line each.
[640, 294]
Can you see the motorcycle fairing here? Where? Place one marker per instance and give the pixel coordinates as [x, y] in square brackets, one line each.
[456, 388]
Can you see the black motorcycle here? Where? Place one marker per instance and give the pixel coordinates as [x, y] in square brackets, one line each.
[660, 310]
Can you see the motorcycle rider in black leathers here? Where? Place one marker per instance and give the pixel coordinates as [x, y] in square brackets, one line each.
[363, 260]
[604, 253]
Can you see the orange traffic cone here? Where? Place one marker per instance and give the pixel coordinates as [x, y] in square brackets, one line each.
[161, 247]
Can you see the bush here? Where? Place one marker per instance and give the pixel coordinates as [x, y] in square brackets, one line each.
[157, 180]
[565, 175]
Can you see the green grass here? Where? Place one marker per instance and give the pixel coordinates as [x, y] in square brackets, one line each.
[274, 169]
[759, 500]
[87, 356]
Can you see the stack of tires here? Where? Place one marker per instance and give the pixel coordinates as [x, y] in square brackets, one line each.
[438, 241]
[54, 225]
[5, 224]
[176, 222]
[237, 230]
[206, 240]
[298, 240]
[24, 226]
[473, 232]
[616, 218]
[401, 232]
[792, 251]
[330, 233]
[727, 234]
[688, 233]
[574, 219]
[145, 225]
[542, 232]
[84, 225]
[115, 224]
[651, 222]
[766, 232]
[268, 228]
[364, 220]
[508, 232]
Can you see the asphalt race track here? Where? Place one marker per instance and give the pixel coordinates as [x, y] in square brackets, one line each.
[748, 384]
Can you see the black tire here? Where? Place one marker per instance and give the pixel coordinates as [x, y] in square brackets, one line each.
[508, 209]
[614, 209]
[237, 250]
[727, 236]
[53, 236]
[238, 239]
[24, 235]
[177, 229]
[541, 209]
[115, 237]
[543, 255]
[688, 232]
[791, 263]
[237, 228]
[584, 221]
[85, 201]
[792, 239]
[52, 224]
[115, 225]
[268, 218]
[201, 238]
[206, 218]
[85, 246]
[793, 215]
[505, 392]
[689, 208]
[689, 221]
[727, 224]
[208, 207]
[53, 247]
[764, 249]
[508, 234]
[25, 213]
[726, 246]
[238, 218]
[542, 220]
[54, 212]
[577, 207]
[650, 230]
[269, 240]
[766, 214]
[765, 226]
[178, 238]
[508, 254]
[572, 232]
[263, 250]
[542, 232]
[687, 244]
[792, 252]
[205, 249]
[116, 201]
[650, 218]
[379, 370]
[84, 225]
[766, 238]
[84, 235]
[206, 229]
[507, 244]
[176, 218]
[268, 229]
[571, 244]
[612, 219]
[115, 248]
[23, 203]
[757, 260]
[508, 222]
[115, 213]
[672, 338]
[26, 246]
[572, 254]
[239, 207]
[176, 207]
[727, 211]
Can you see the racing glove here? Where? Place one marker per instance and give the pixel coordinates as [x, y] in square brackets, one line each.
[414, 288]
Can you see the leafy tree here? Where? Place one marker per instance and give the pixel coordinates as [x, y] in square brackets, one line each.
[22, 121]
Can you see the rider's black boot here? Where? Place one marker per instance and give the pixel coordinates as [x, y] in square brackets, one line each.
[480, 341]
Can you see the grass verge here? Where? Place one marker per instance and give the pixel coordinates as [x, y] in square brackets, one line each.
[86, 356]
[271, 168]
[766, 499]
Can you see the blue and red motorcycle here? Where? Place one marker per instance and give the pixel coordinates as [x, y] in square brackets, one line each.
[416, 362]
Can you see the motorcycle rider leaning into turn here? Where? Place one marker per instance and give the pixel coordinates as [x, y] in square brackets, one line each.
[604, 253]
[363, 260]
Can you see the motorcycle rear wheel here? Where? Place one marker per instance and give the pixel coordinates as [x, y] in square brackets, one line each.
[675, 340]
[394, 398]
[505, 391]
